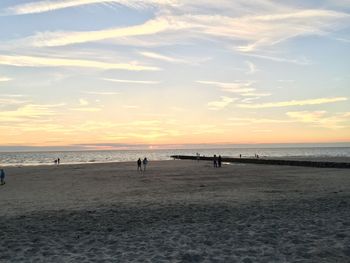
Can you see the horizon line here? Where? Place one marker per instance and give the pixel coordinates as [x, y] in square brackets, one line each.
[129, 147]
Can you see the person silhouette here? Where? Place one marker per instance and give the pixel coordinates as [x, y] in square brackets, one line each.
[144, 162]
[2, 176]
[219, 160]
[139, 168]
[215, 160]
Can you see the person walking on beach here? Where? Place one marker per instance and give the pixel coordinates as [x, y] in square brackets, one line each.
[2, 176]
[219, 161]
[139, 168]
[58, 161]
[144, 162]
[215, 160]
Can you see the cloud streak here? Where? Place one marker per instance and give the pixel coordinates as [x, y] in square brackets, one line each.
[33, 61]
[28, 112]
[233, 87]
[4, 79]
[248, 31]
[293, 103]
[150, 27]
[162, 57]
[321, 119]
[147, 82]
[48, 6]
[218, 105]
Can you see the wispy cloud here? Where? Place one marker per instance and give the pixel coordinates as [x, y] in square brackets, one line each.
[47, 6]
[147, 82]
[297, 61]
[248, 121]
[150, 27]
[234, 87]
[218, 105]
[32, 61]
[293, 103]
[87, 109]
[251, 67]
[9, 101]
[322, 118]
[29, 111]
[83, 102]
[101, 93]
[251, 28]
[163, 57]
[4, 79]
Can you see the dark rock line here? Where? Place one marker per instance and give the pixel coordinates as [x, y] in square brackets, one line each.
[269, 161]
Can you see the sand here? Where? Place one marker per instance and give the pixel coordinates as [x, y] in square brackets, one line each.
[178, 211]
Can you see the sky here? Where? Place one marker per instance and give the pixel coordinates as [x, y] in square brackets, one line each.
[115, 74]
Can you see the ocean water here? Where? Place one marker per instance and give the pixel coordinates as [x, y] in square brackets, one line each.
[77, 157]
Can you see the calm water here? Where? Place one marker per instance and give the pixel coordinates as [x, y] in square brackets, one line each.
[74, 157]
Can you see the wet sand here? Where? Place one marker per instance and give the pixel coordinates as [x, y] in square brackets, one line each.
[178, 211]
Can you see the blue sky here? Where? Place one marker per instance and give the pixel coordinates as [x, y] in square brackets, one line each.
[174, 72]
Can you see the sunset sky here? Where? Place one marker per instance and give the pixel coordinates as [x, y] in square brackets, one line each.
[106, 74]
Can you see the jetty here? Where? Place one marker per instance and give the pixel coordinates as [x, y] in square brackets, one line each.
[305, 163]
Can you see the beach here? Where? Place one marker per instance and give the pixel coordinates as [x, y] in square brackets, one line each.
[177, 211]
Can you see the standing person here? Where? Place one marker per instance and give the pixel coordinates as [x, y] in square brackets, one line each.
[144, 162]
[2, 176]
[58, 161]
[215, 159]
[139, 168]
[219, 161]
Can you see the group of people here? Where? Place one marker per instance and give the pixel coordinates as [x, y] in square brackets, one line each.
[217, 161]
[143, 163]
[57, 161]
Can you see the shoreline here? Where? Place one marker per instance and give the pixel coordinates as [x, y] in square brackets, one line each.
[336, 159]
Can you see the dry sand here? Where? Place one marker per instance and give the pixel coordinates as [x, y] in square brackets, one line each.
[178, 211]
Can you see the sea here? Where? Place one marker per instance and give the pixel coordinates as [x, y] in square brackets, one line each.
[84, 157]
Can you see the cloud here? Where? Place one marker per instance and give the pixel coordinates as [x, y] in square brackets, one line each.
[162, 57]
[48, 6]
[87, 109]
[234, 87]
[148, 82]
[260, 31]
[297, 61]
[32, 61]
[10, 101]
[29, 112]
[322, 119]
[248, 121]
[83, 102]
[4, 79]
[244, 26]
[293, 103]
[255, 94]
[218, 105]
[150, 27]
[101, 93]
[252, 67]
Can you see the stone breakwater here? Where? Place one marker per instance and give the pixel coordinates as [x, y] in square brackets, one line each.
[305, 163]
